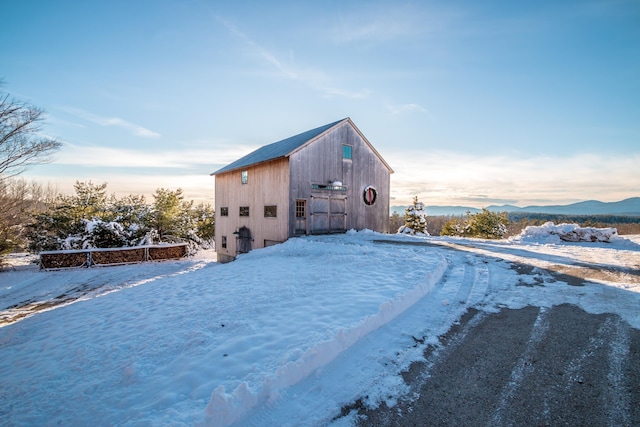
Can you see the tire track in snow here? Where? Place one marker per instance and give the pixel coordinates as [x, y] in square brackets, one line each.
[470, 281]
[617, 404]
[523, 367]
[574, 370]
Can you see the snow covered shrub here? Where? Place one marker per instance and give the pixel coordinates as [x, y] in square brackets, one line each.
[415, 220]
[487, 225]
[89, 219]
[453, 227]
[101, 234]
[484, 225]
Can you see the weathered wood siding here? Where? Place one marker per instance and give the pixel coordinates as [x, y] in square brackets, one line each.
[267, 185]
[321, 162]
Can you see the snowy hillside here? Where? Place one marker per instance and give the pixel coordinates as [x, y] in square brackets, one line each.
[285, 335]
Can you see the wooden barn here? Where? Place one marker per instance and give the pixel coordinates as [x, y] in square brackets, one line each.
[326, 180]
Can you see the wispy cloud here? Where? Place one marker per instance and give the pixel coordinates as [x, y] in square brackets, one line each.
[261, 51]
[390, 22]
[135, 129]
[378, 28]
[312, 78]
[330, 92]
[406, 108]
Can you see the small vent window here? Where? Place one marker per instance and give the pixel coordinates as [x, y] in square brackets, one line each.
[224, 211]
[245, 177]
[224, 242]
[270, 211]
[244, 210]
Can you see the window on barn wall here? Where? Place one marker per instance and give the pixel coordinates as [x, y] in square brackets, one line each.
[224, 211]
[244, 210]
[300, 205]
[245, 177]
[270, 211]
[330, 187]
[224, 242]
[301, 219]
[347, 152]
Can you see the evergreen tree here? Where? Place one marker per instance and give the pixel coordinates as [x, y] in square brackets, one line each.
[88, 202]
[415, 219]
[204, 215]
[170, 215]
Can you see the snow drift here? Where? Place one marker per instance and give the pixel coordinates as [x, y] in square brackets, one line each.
[551, 233]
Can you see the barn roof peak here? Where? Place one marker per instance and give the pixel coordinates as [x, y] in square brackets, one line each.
[278, 149]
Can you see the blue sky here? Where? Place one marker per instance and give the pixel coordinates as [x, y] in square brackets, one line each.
[472, 103]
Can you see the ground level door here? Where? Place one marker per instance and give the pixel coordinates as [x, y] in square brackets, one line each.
[328, 213]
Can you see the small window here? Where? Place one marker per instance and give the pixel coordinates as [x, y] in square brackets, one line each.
[245, 177]
[300, 204]
[270, 211]
[224, 242]
[224, 211]
[347, 152]
[244, 210]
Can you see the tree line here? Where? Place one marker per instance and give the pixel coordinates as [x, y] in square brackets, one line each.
[515, 222]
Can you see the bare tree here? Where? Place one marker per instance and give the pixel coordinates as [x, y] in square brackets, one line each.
[19, 201]
[21, 141]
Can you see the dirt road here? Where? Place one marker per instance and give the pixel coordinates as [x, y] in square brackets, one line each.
[532, 366]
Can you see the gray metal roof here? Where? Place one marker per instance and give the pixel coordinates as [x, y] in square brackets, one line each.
[277, 149]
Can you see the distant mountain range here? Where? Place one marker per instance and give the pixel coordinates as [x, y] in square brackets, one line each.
[629, 207]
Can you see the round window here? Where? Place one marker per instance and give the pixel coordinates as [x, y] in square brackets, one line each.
[369, 195]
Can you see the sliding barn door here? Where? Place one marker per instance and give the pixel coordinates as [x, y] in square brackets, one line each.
[328, 213]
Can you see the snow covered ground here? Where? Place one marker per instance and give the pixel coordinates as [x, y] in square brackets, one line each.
[284, 335]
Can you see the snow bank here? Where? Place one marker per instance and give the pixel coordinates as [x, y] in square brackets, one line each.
[226, 408]
[551, 233]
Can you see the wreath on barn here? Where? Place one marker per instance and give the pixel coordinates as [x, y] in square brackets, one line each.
[369, 195]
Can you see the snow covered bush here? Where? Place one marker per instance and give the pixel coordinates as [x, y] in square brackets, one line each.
[101, 234]
[415, 220]
[89, 219]
[487, 224]
[453, 227]
[484, 225]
